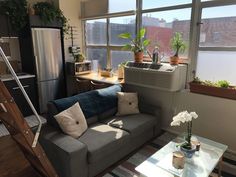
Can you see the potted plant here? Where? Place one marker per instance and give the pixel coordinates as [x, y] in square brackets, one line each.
[178, 45]
[48, 13]
[184, 117]
[137, 44]
[16, 11]
[220, 88]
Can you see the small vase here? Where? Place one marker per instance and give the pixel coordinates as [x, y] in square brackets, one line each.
[188, 152]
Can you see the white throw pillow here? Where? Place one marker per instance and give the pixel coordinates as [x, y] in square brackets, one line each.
[72, 121]
[127, 103]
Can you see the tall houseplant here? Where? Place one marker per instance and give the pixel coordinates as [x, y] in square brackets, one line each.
[178, 45]
[137, 44]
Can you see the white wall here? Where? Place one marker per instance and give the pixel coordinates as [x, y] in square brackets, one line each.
[71, 10]
[217, 116]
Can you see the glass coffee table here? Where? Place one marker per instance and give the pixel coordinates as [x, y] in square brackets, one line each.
[200, 165]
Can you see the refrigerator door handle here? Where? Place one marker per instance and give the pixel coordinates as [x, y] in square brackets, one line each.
[37, 65]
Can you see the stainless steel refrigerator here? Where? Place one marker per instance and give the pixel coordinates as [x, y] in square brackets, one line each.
[49, 64]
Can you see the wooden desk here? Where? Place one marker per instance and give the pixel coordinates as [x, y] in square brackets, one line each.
[98, 78]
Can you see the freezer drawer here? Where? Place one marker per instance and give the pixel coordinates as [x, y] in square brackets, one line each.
[29, 86]
[48, 91]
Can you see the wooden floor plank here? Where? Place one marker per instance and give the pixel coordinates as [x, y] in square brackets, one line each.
[12, 160]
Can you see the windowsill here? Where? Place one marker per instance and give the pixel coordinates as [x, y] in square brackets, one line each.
[228, 93]
[183, 60]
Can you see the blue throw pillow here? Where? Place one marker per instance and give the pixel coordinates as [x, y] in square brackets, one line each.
[107, 98]
[93, 102]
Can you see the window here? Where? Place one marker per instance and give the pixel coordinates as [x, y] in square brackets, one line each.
[96, 32]
[120, 25]
[109, 54]
[99, 54]
[118, 6]
[118, 57]
[150, 4]
[213, 38]
[217, 51]
[161, 25]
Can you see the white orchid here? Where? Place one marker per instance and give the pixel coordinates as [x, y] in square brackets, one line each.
[183, 117]
[194, 115]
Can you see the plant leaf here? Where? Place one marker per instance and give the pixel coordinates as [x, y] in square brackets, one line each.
[127, 47]
[125, 35]
[146, 42]
[141, 33]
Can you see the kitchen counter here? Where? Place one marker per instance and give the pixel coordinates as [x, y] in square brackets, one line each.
[9, 77]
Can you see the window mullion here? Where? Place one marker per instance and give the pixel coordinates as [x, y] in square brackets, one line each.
[108, 43]
[138, 15]
[194, 38]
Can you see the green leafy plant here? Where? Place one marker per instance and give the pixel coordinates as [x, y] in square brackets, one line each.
[220, 83]
[209, 83]
[197, 80]
[223, 84]
[48, 12]
[136, 44]
[178, 44]
[16, 10]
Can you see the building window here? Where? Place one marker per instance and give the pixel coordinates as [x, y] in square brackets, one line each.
[217, 52]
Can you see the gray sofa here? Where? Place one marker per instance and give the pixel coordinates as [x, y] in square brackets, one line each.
[108, 139]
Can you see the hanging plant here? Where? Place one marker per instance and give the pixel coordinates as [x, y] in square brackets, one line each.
[48, 13]
[16, 11]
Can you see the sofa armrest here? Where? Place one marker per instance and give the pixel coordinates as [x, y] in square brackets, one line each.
[155, 111]
[67, 155]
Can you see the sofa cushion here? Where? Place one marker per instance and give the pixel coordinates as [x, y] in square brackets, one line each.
[134, 124]
[107, 114]
[127, 103]
[103, 140]
[72, 121]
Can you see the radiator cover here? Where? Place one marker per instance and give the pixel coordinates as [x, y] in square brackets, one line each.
[159, 76]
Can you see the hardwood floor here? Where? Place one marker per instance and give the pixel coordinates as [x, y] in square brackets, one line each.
[12, 160]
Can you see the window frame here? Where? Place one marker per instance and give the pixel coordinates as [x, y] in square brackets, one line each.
[199, 6]
[109, 47]
[194, 34]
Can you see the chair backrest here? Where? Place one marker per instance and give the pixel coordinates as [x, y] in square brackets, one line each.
[96, 85]
[83, 85]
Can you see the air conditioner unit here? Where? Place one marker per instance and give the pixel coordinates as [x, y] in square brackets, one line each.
[159, 76]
